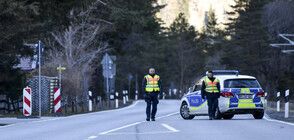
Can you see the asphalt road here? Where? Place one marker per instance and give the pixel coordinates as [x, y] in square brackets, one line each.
[129, 124]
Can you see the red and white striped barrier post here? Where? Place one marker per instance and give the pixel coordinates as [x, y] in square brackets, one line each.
[27, 101]
[57, 101]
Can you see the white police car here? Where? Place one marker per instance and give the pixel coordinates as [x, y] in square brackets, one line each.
[240, 94]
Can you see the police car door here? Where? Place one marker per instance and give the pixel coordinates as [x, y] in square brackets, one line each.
[198, 106]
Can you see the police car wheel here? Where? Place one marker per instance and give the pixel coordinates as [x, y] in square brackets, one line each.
[258, 115]
[185, 112]
[218, 114]
[229, 116]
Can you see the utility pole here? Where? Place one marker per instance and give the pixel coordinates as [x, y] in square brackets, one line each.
[59, 71]
[108, 73]
[40, 111]
[40, 50]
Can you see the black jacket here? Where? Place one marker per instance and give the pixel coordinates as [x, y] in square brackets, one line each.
[203, 92]
[144, 83]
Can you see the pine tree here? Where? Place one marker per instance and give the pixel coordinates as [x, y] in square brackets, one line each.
[187, 56]
[211, 38]
[136, 38]
[247, 43]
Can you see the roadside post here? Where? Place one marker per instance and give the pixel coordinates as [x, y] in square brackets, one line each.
[57, 101]
[27, 101]
[278, 102]
[111, 100]
[287, 103]
[90, 101]
[127, 96]
[136, 96]
[124, 96]
[116, 99]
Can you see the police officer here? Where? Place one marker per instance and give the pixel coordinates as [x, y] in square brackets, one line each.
[211, 89]
[151, 87]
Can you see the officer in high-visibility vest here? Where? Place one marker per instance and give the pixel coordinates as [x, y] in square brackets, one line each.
[211, 89]
[151, 87]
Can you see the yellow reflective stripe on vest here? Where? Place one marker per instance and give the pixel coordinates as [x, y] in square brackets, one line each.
[211, 87]
[152, 83]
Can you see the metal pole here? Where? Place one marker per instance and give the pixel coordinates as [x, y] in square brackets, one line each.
[136, 96]
[40, 113]
[60, 76]
[129, 92]
[107, 84]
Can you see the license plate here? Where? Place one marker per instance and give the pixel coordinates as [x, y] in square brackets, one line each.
[245, 96]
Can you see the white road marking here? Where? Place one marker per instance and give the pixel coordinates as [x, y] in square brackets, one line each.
[168, 115]
[53, 119]
[130, 106]
[92, 137]
[170, 128]
[32, 122]
[102, 133]
[141, 133]
[272, 120]
[165, 125]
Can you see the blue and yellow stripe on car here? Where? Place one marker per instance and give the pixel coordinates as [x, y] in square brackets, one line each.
[199, 107]
[244, 103]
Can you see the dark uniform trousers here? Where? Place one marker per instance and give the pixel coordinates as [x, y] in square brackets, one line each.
[152, 98]
[212, 102]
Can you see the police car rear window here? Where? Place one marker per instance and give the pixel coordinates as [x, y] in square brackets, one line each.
[241, 83]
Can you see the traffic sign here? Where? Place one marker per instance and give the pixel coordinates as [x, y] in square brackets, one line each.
[130, 76]
[62, 68]
[109, 69]
[40, 44]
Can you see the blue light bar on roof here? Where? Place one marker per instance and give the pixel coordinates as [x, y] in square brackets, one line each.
[225, 72]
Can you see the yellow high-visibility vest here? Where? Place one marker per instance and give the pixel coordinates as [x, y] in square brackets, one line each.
[152, 83]
[211, 87]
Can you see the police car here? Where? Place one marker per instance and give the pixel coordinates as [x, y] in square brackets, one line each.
[240, 94]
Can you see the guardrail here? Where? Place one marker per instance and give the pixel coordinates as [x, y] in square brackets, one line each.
[7, 105]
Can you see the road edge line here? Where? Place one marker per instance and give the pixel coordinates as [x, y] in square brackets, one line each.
[278, 121]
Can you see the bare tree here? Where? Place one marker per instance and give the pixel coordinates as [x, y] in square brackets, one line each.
[184, 51]
[77, 48]
[279, 18]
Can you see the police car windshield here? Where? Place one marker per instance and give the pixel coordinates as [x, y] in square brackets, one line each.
[241, 83]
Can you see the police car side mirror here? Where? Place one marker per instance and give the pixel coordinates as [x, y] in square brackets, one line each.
[190, 89]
